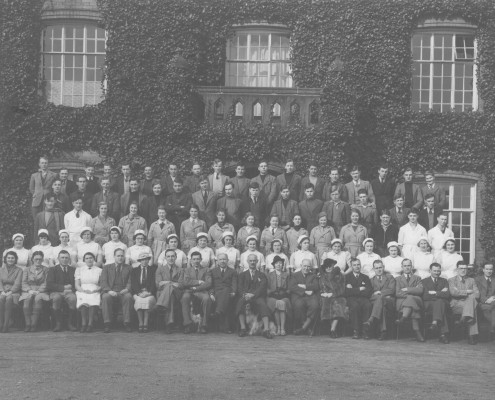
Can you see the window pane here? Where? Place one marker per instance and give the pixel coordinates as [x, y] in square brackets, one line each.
[90, 46]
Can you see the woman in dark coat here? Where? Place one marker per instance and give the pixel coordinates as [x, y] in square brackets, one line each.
[278, 294]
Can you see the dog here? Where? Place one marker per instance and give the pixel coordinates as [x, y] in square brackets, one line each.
[196, 318]
[254, 324]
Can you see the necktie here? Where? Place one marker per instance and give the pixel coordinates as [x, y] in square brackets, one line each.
[488, 286]
[196, 273]
[273, 231]
[429, 186]
[407, 278]
[400, 211]
[162, 224]
[77, 214]
[435, 280]
[65, 269]
[223, 271]
[380, 277]
[463, 280]
[252, 276]
[143, 275]
[254, 200]
[218, 176]
[205, 196]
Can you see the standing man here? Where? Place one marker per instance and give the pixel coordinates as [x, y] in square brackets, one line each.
[356, 184]
[82, 193]
[310, 207]
[384, 233]
[232, 205]
[40, 185]
[217, 180]
[255, 204]
[123, 181]
[67, 186]
[62, 201]
[335, 181]
[192, 182]
[178, 204]
[146, 184]
[413, 197]
[206, 201]
[107, 173]
[168, 180]
[267, 184]
[92, 185]
[338, 212]
[439, 234]
[76, 220]
[240, 182]
[317, 182]
[51, 219]
[399, 213]
[428, 216]
[383, 188]
[285, 208]
[223, 290]
[106, 196]
[290, 180]
[433, 188]
[134, 196]
[486, 287]
[369, 214]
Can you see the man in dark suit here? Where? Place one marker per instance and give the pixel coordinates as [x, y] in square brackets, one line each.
[310, 208]
[384, 233]
[383, 188]
[106, 196]
[92, 184]
[335, 184]
[232, 205]
[433, 188]
[195, 280]
[146, 184]
[252, 288]
[40, 185]
[134, 196]
[62, 201]
[107, 173]
[399, 213]
[178, 204]
[428, 215]
[122, 182]
[67, 186]
[436, 297]
[486, 286]
[413, 197]
[240, 182]
[256, 204]
[168, 180]
[290, 180]
[356, 184]
[338, 212]
[61, 286]
[358, 291]
[383, 298]
[285, 208]
[313, 178]
[206, 201]
[51, 219]
[82, 193]
[222, 291]
[192, 182]
[267, 184]
[115, 283]
[303, 289]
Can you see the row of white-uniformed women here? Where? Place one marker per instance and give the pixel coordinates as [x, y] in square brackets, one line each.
[422, 258]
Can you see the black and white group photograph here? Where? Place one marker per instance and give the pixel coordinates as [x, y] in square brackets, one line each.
[247, 199]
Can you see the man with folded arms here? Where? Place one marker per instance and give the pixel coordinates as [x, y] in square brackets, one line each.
[486, 287]
[222, 291]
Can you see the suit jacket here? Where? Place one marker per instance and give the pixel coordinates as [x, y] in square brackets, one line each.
[344, 196]
[241, 187]
[226, 283]
[107, 277]
[119, 185]
[191, 183]
[397, 219]
[153, 205]
[363, 185]
[55, 223]
[188, 279]
[482, 285]
[223, 178]
[417, 194]
[93, 185]
[56, 279]
[143, 205]
[146, 186]
[149, 285]
[415, 286]
[320, 184]
[344, 210]
[423, 219]
[40, 188]
[429, 285]
[177, 206]
[310, 280]
[259, 209]
[256, 286]
[87, 199]
[62, 202]
[309, 210]
[207, 212]
[167, 184]
[386, 286]
[69, 187]
[356, 283]
[163, 273]
[286, 214]
[438, 192]
[382, 237]
[384, 193]
[294, 187]
[235, 217]
[268, 188]
[113, 201]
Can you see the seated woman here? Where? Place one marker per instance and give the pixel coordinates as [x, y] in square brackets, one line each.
[143, 289]
[296, 230]
[10, 288]
[88, 245]
[303, 253]
[228, 248]
[252, 242]
[173, 244]
[45, 247]
[448, 259]
[34, 291]
[422, 259]
[216, 231]
[87, 278]
[276, 251]
[159, 232]
[342, 257]
[139, 247]
[101, 224]
[207, 254]
[22, 253]
[368, 257]
[278, 294]
[271, 233]
[131, 223]
[333, 302]
[64, 237]
[321, 236]
[393, 262]
[115, 243]
[249, 229]
[190, 228]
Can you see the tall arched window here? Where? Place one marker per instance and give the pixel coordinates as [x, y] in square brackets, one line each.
[219, 110]
[238, 110]
[257, 111]
[73, 58]
[295, 111]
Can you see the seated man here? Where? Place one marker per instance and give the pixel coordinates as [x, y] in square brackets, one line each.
[115, 283]
[303, 288]
[223, 289]
[487, 296]
[252, 287]
[61, 286]
[464, 293]
[195, 280]
[383, 298]
[168, 291]
[436, 297]
[358, 291]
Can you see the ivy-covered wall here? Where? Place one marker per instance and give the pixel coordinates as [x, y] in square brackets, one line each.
[151, 112]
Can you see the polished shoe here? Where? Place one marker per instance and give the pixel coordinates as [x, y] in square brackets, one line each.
[267, 334]
[299, 332]
[444, 339]
[333, 335]
[127, 327]
[472, 340]
[356, 335]
[202, 329]
[419, 337]
[383, 336]
[243, 333]
[106, 329]
[188, 329]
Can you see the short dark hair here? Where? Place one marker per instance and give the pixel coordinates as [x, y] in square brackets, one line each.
[309, 185]
[196, 253]
[179, 181]
[429, 196]
[435, 264]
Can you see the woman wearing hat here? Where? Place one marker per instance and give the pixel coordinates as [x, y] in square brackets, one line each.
[448, 259]
[143, 289]
[278, 293]
[34, 291]
[422, 259]
[342, 257]
[333, 302]
[216, 231]
[87, 278]
[393, 262]
[109, 248]
[271, 233]
[207, 255]
[131, 223]
[252, 242]
[368, 257]
[22, 253]
[276, 251]
[190, 228]
[139, 247]
[295, 231]
[64, 237]
[10, 288]
[410, 233]
[303, 253]
[45, 247]
[158, 234]
[88, 245]
[173, 244]
[321, 236]
[101, 224]
[353, 234]
[233, 255]
[249, 229]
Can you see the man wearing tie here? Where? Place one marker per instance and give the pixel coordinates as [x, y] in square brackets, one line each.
[206, 201]
[399, 213]
[146, 184]
[75, 220]
[436, 298]
[217, 180]
[439, 234]
[222, 291]
[384, 233]
[40, 185]
[124, 180]
[115, 283]
[231, 204]
[335, 184]
[356, 184]
[67, 186]
[92, 185]
[51, 219]
[256, 204]
[83, 194]
[267, 184]
[310, 207]
[432, 187]
[195, 280]
[240, 182]
[486, 287]
[428, 216]
[106, 196]
[383, 188]
[290, 180]
[413, 197]
[167, 180]
[338, 212]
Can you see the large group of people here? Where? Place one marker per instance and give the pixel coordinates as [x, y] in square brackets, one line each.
[210, 250]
